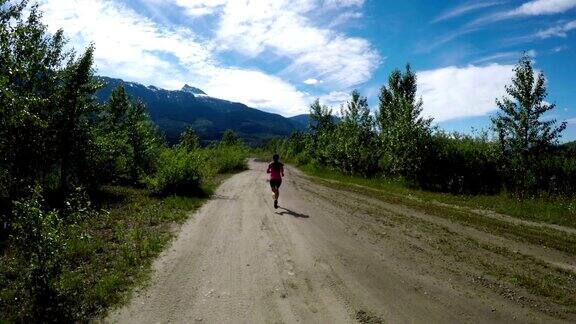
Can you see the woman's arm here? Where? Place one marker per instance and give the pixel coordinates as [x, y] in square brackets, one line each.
[268, 171]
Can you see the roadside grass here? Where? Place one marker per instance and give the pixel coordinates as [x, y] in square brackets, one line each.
[536, 235]
[501, 268]
[523, 279]
[110, 252]
[558, 211]
[113, 252]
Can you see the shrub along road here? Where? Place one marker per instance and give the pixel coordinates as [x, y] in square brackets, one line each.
[335, 253]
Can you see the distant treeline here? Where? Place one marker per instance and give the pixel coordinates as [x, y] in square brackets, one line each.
[58, 147]
[521, 157]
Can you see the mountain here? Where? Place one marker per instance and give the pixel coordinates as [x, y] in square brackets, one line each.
[301, 120]
[173, 111]
[192, 90]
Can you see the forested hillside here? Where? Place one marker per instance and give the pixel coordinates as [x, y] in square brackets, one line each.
[174, 111]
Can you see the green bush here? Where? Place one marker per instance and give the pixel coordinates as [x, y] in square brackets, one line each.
[227, 158]
[29, 278]
[179, 171]
[556, 174]
[461, 164]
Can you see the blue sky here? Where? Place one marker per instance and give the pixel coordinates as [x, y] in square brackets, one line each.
[278, 55]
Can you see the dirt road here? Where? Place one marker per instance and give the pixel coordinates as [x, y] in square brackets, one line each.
[327, 256]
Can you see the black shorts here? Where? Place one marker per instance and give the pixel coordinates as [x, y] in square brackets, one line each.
[275, 183]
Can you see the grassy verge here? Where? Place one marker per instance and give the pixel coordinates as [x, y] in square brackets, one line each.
[523, 279]
[530, 234]
[559, 211]
[105, 255]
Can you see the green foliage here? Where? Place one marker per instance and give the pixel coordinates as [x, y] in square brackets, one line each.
[189, 140]
[352, 146]
[230, 138]
[56, 139]
[41, 114]
[128, 142]
[226, 158]
[179, 172]
[399, 143]
[462, 164]
[523, 136]
[37, 249]
[404, 132]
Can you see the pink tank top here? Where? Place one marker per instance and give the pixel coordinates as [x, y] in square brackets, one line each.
[275, 173]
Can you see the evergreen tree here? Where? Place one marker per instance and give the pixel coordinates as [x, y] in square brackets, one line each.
[521, 131]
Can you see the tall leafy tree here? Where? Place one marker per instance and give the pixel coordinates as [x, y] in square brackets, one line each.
[230, 138]
[353, 143]
[144, 138]
[404, 131]
[76, 105]
[127, 139]
[189, 140]
[321, 126]
[521, 130]
[31, 66]
[321, 119]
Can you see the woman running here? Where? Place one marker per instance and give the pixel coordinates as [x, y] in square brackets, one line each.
[276, 171]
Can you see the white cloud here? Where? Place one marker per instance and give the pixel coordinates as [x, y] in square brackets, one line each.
[311, 81]
[454, 92]
[200, 7]
[257, 89]
[334, 99]
[530, 8]
[557, 31]
[282, 27]
[464, 9]
[543, 7]
[344, 17]
[558, 49]
[134, 48]
[571, 121]
[504, 56]
[343, 3]
[127, 44]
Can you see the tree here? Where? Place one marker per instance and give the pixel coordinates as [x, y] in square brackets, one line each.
[320, 118]
[230, 138]
[352, 147]
[127, 139]
[31, 66]
[144, 138]
[321, 128]
[76, 104]
[521, 131]
[404, 132]
[189, 140]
